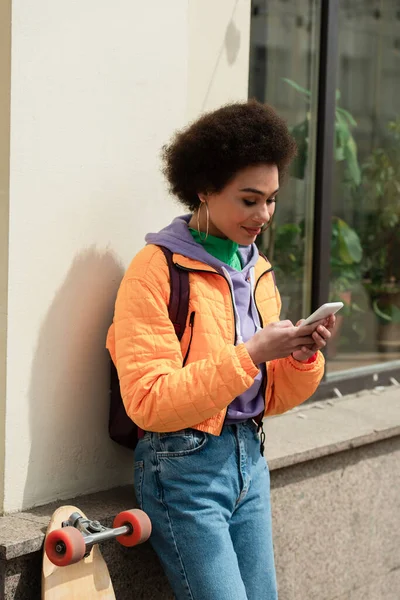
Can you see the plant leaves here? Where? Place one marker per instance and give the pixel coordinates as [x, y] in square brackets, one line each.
[350, 250]
[347, 115]
[392, 316]
[297, 87]
[339, 154]
[350, 153]
[300, 134]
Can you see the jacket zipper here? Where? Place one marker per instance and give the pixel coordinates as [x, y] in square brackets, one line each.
[223, 277]
[234, 316]
[256, 286]
[191, 323]
[232, 304]
[260, 421]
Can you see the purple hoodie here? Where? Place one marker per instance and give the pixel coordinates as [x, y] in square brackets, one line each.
[177, 238]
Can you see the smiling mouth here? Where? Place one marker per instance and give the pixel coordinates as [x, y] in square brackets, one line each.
[252, 230]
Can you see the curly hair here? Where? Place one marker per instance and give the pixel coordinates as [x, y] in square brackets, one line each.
[207, 154]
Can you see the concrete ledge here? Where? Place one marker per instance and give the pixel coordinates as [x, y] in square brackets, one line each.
[328, 511]
[316, 430]
[303, 434]
[21, 546]
[22, 533]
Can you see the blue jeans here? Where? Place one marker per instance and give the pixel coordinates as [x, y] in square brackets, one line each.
[208, 498]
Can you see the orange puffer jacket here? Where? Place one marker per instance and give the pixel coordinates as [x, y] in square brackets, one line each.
[161, 395]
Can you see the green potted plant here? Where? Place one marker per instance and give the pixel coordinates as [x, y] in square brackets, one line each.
[345, 146]
[345, 271]
[345, 261]
[380, 193]
[287, 241]
[285, 249]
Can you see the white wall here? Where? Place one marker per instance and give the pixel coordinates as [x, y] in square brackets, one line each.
[219, 43]
[96, 89]
[5, 65]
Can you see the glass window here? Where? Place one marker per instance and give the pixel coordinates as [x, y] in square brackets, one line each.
[283, 73]
[365, 245]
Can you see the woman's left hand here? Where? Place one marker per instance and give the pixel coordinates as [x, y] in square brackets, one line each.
[322, 333]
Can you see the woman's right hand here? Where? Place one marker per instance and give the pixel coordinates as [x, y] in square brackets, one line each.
[278, 340]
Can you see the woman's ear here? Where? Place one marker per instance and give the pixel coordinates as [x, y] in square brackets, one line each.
[202, 197]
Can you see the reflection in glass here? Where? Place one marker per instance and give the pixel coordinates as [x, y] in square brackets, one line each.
[283, 73]
[365, 245]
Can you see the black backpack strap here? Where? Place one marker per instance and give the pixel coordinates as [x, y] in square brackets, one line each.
[122, 430]
[178, 307]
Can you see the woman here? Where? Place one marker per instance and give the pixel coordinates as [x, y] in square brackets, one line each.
[199, 473]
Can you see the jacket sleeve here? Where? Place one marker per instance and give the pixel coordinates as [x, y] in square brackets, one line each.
[158, 393]
[291, 382]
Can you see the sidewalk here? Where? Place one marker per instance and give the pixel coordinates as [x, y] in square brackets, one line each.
[326, 427]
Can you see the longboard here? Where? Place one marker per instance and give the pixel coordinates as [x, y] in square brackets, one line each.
[73, 566]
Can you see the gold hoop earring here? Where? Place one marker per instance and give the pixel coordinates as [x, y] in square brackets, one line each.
[203, 239]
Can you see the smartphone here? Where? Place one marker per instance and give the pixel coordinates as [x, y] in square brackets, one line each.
[330, 308]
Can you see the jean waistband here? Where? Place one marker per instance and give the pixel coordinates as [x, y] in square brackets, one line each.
[252, 423]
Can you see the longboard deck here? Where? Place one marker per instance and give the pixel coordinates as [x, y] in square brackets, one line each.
[88, 579]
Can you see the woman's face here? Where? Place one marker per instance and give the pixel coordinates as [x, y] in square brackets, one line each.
[244, 205]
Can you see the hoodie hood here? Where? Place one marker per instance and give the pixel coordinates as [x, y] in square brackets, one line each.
[177, 238]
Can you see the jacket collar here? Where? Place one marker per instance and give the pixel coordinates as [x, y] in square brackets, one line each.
[191, 263]
[261, 266]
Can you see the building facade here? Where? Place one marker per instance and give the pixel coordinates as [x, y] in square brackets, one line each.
[89, 94]
[333, 70]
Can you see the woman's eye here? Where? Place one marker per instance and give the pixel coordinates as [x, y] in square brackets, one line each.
[253, 202]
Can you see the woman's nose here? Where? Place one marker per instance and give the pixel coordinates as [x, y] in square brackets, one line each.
[262, 215]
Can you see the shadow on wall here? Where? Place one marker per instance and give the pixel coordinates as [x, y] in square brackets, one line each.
[71, 453]
[231, 44]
